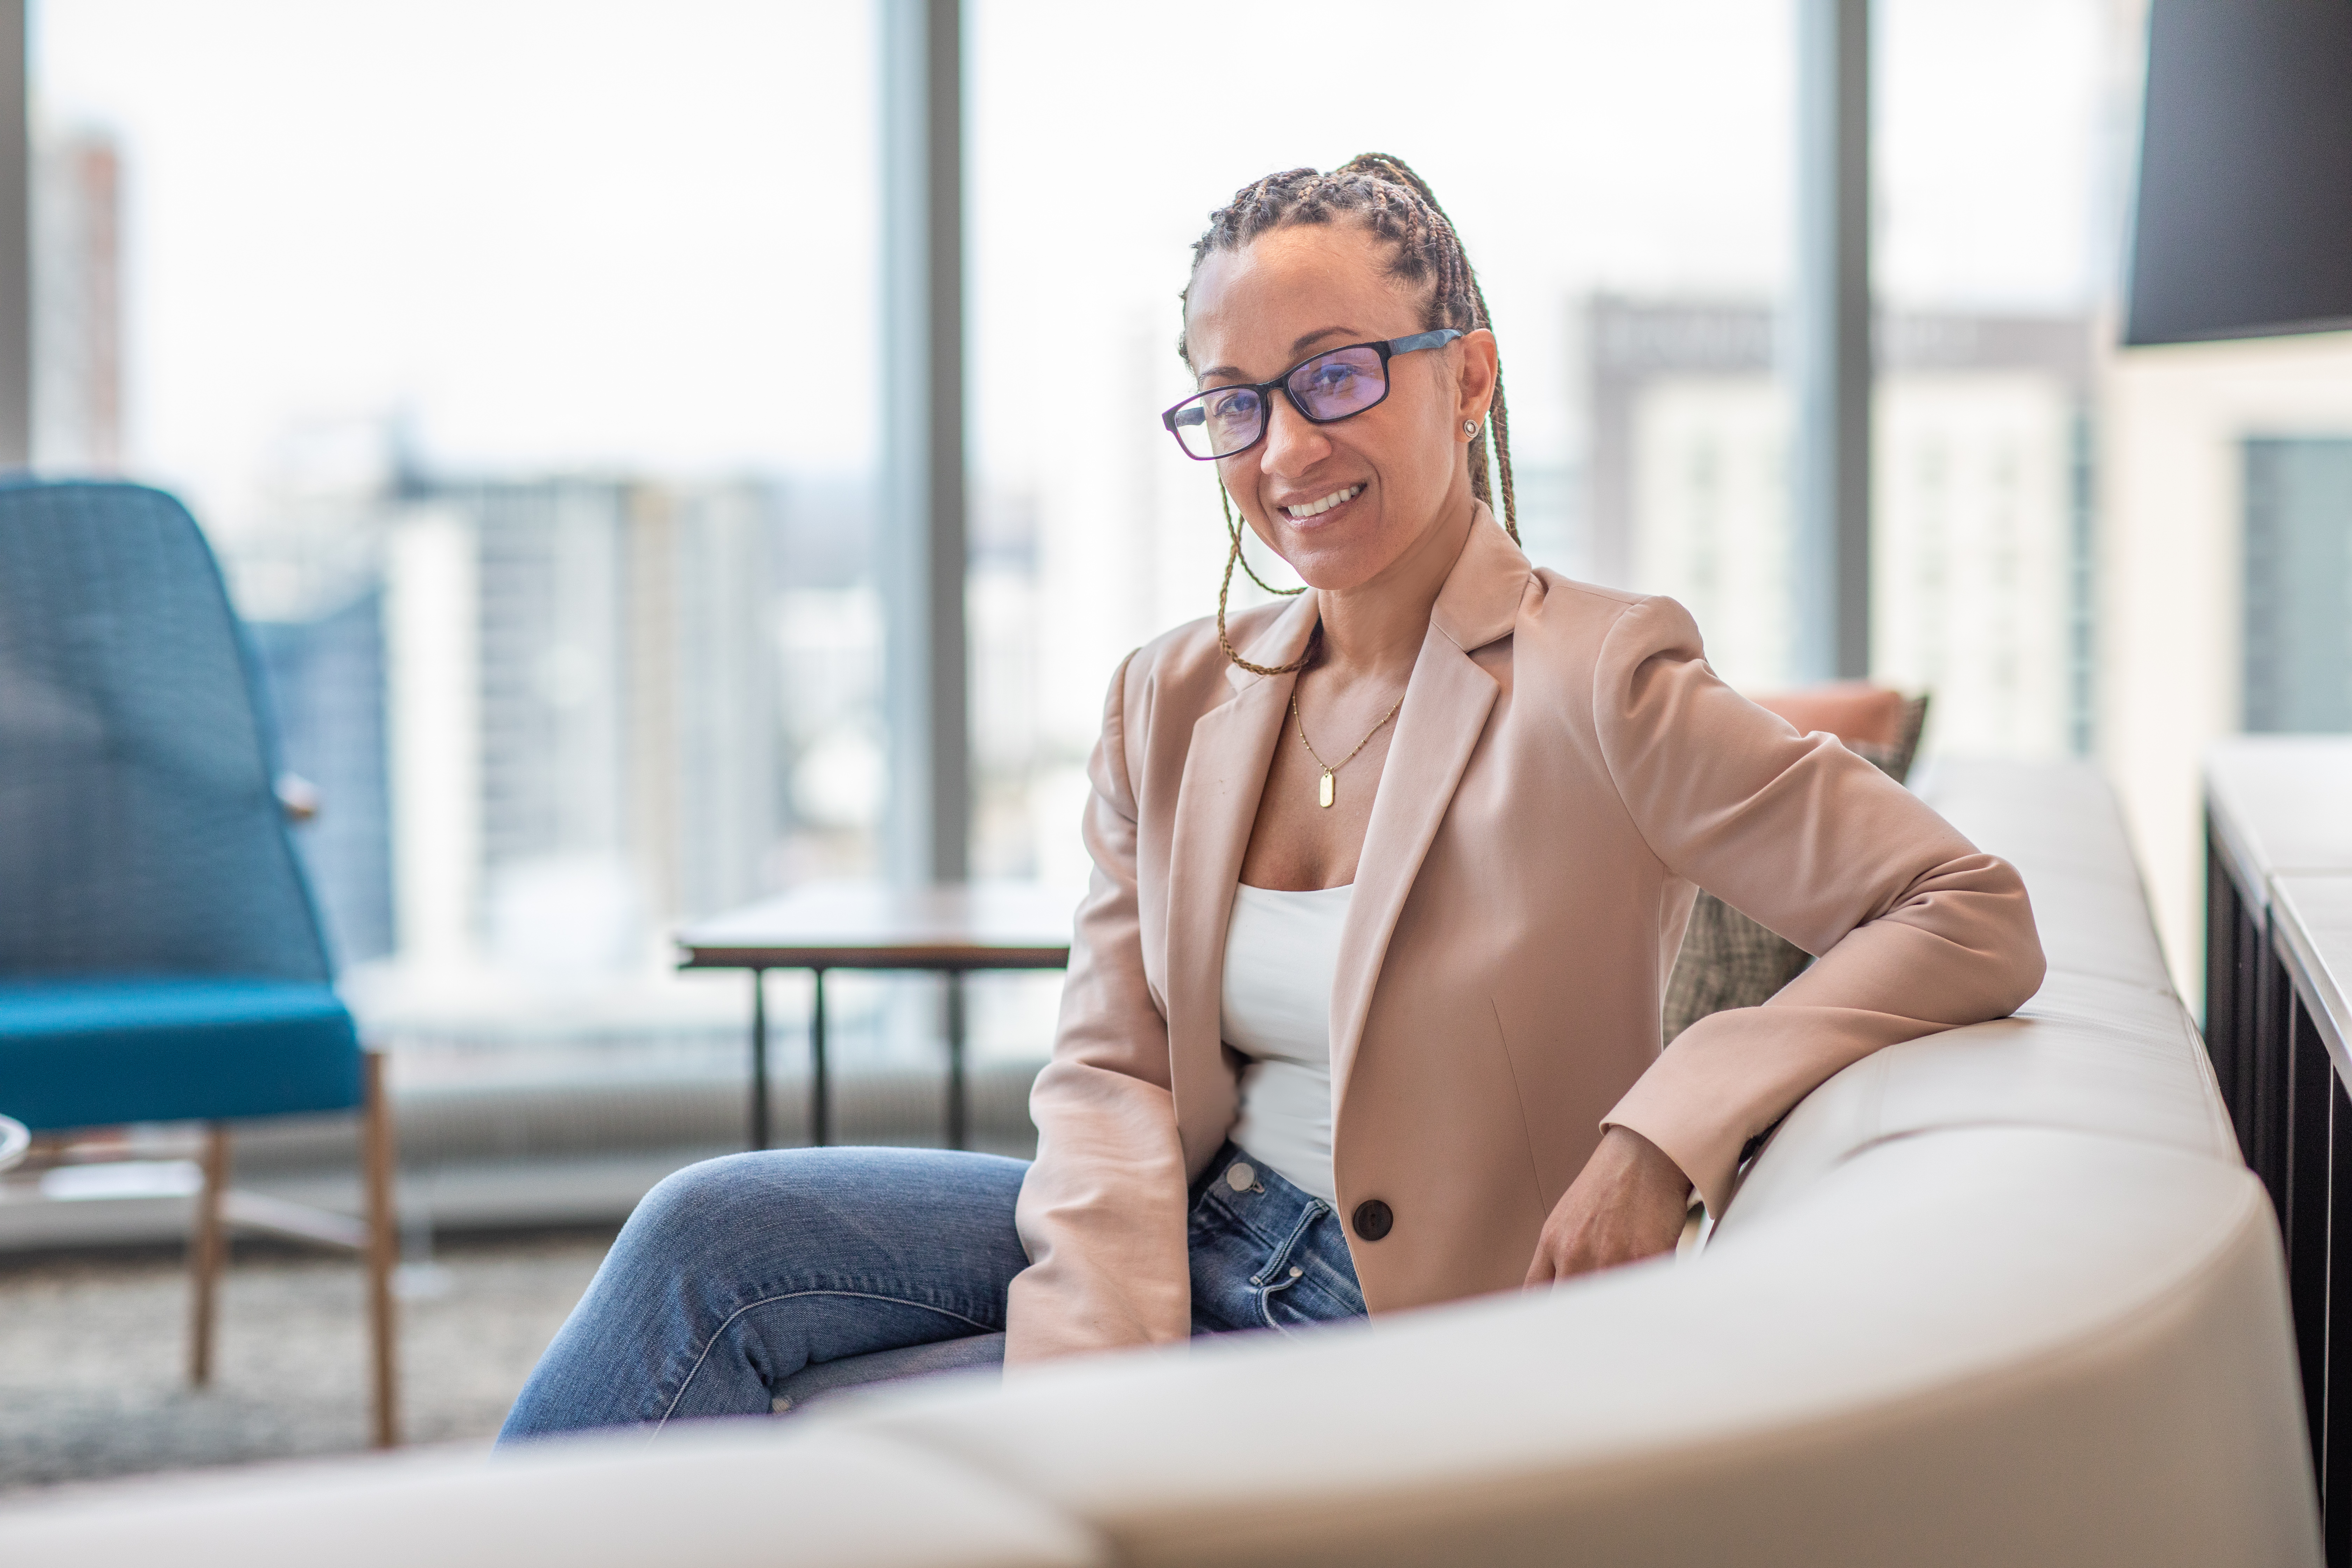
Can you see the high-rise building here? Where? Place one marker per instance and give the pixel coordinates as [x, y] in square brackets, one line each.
[78, 303]
[707, 796]
[554, 689]
[548, 719]
[827, 637]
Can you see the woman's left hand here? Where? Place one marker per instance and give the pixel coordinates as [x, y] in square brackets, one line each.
[1627, 1203]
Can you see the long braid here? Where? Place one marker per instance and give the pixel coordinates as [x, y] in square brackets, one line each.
[1234, 529]
[1387, 197]
[1500, 421]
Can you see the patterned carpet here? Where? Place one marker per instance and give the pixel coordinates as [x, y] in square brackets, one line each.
[93, 1355]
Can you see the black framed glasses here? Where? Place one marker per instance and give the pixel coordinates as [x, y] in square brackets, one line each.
[1335, 385]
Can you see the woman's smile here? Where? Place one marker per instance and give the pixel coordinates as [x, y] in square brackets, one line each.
[1322, 506]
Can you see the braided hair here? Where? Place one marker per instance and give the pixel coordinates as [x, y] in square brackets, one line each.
[1397, 206]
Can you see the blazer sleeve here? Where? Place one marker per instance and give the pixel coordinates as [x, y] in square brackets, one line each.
[1914, 930]
[1102, 1210]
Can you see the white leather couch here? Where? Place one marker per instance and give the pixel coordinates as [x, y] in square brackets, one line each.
[2005, 1296]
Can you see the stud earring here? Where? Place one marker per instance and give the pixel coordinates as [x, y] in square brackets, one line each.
[1469, 427]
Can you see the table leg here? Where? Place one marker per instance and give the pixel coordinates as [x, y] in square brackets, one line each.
[958, 1118]
[2244, 1024]
[819, 1092]
[2274, 1031]
[759, 1059]
[2311, 1095]
[2223, 916]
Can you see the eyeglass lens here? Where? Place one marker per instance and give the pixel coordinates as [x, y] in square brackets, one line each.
[1328, 386]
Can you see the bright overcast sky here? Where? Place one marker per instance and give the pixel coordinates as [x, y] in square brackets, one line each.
[641, 236]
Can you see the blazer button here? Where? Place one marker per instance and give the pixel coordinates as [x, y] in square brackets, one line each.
[1374, 1219]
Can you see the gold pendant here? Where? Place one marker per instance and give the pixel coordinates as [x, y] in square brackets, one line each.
[1328, 791]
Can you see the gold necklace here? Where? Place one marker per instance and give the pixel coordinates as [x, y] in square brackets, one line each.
[1327, 790]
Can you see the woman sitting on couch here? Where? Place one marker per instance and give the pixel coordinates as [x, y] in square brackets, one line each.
[1363, 1005]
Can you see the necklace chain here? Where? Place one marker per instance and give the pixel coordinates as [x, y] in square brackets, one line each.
[1326, 787]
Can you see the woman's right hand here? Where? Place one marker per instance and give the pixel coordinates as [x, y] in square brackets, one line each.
[1627, 1203]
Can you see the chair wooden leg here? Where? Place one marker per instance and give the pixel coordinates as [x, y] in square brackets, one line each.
[204, 1253]
[383, 1252]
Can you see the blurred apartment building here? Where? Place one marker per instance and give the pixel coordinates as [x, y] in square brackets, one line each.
[549, 718]
[580, 711]
[1982, 550]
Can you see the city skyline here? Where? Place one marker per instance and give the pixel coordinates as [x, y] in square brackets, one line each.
[633, 274]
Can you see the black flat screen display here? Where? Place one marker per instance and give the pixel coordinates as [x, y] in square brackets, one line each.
[2244, 222]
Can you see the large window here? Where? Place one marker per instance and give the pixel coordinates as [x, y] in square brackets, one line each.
[519, 360]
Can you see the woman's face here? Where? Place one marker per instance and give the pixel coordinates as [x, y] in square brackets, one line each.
[1400, 465]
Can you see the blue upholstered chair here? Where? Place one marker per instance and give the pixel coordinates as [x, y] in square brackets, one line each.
[161, 958]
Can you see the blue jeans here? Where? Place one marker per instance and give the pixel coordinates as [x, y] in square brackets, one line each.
[738, 1282]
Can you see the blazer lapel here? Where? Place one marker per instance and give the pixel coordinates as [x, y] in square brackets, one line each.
[1217, 804]
[1444, 712]
[1446, 702]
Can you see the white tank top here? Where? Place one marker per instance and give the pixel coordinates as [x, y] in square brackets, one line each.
[1281, 950]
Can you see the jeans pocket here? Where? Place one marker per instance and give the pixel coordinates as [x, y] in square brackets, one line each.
[1297, 1286]
[1227, 1263]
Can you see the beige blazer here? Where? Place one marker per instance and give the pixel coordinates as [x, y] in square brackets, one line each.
[1566, 770]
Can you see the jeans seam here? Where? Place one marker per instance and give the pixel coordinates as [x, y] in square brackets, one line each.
[1315, 1209]
[711, 1344]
